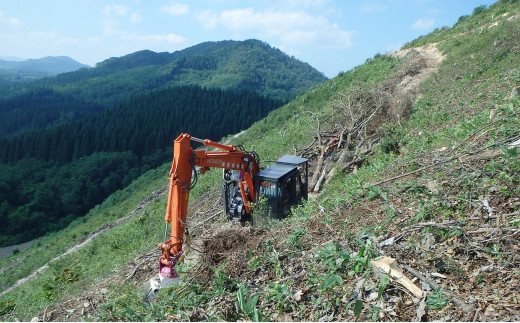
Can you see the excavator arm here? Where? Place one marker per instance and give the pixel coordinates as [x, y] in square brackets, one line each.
[185, 159]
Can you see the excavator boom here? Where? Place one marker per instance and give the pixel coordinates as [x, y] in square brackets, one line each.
[283, 185]
[180, 183]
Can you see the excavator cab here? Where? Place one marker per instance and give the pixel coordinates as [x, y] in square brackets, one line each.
[278, 187]
[282, 185]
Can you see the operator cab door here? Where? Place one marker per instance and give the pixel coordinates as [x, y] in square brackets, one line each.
[302, 180]
[277, 190]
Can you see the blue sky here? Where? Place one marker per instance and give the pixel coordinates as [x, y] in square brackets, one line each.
[332, 36]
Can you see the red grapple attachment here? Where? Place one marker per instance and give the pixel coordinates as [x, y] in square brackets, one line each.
[168, 271]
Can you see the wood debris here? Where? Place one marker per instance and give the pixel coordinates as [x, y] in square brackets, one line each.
[388, 266]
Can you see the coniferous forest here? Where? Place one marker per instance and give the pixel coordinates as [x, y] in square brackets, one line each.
[49, 176]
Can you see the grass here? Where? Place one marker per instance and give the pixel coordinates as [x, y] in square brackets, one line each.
[104, 256]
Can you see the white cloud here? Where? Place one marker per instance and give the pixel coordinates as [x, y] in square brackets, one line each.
[153, 38]
[118, 10]
[135, 17]
[295, 27]
[175, 9]
[12, 22]
[423, 23]
[122, 11]
[373, 8]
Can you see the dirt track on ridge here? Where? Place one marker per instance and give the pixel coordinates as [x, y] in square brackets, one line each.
[432, 58]
[83, 242]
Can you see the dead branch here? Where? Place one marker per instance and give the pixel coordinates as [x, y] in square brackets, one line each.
[137, 267]
[467, 308]
[206, 220]
[342, 156]
[324, 172]
[444, 161]
[322, 152]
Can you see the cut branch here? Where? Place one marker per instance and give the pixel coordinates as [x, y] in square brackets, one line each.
[443, 162]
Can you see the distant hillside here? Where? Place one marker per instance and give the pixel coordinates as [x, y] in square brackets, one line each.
[40, 108]
[26, 70]
[250, 64]
[228, 65]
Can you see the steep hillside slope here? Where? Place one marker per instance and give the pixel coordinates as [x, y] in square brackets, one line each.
[433, 186]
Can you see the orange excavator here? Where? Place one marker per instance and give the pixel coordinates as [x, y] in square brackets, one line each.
[282, 184]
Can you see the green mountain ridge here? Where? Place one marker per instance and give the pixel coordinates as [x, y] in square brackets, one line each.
[250, 64]
[227, 65]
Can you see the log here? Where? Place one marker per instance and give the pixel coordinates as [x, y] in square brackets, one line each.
[322, 155]
[341, 158]
[387, 265]
[323, 173]
[317, 171]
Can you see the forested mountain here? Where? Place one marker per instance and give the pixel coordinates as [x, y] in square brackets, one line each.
[53, 175]
[250, 64]
[39, 108]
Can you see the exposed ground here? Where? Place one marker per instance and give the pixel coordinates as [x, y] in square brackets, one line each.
[429, 58]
